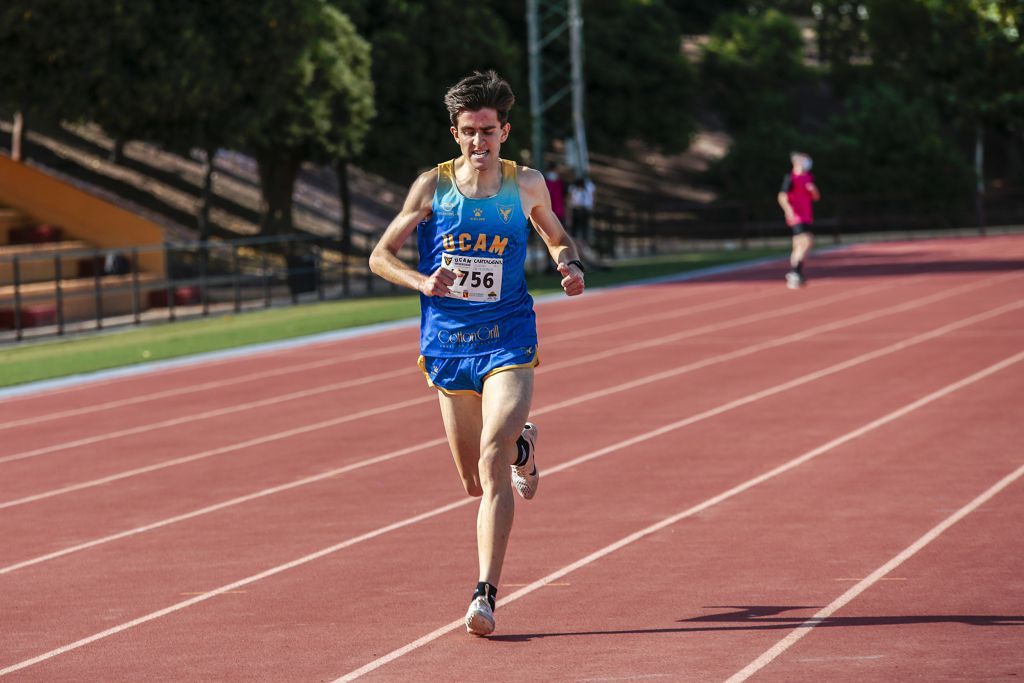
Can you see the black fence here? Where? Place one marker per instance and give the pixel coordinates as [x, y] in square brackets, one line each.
[53, 290]
[624, 232]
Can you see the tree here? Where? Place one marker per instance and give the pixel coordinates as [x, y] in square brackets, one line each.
[965, 56]
[842, 38]
[639, 84]
[886, 143]
[419, 50]
[286, 79]
[751, 66]
[304, 75]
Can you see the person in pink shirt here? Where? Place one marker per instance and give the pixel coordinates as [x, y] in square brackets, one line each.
[796, 197]
[556, 188]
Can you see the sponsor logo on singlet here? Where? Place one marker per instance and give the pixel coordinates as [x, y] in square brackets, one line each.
[463, 336]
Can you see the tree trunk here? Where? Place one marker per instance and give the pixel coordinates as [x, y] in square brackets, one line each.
[117, 153]
[203, 217]
[979, 173]
[341, 170]
[278, 170]
[18, 137]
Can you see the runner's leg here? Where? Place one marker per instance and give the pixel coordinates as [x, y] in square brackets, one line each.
[462, 422]
[801, 245]
[506, 407]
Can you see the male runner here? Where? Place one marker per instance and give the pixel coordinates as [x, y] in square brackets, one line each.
[795, 197]
[478, 337]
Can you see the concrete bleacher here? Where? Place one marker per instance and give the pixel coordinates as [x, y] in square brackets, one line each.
[83, 289]
[59, 237]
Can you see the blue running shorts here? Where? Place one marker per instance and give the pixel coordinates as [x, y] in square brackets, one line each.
[466, 375]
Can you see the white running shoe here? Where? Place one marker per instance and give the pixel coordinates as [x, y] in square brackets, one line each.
[526, 477]
[480, 617]
[793, 280]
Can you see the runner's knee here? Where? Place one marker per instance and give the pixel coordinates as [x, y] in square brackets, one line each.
[494, 463]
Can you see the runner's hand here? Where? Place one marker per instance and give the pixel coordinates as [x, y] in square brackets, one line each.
[572, 279]
[439, 283]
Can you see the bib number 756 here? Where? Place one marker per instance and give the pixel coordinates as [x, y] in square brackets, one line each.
[478, 278]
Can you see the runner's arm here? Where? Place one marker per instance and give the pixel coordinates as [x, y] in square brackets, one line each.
[384, 259]
[783, 198]
[537, 203]
[813, 189]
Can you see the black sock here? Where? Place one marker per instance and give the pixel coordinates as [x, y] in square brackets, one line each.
[487, 590]
[799, 269]
[524, 452]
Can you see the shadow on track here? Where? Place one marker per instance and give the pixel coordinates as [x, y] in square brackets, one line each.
[767, 618]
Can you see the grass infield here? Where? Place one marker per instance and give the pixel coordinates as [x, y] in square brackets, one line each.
[34, 361]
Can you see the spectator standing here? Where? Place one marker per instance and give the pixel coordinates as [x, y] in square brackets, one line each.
[581, 204]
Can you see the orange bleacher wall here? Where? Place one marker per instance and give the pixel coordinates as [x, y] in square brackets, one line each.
[81, 215]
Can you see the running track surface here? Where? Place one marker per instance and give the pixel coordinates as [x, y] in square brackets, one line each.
[738, 481]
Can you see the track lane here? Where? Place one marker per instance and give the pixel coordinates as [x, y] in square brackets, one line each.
[712, 591]
[180, 408]
[72, 466]
[150, 499]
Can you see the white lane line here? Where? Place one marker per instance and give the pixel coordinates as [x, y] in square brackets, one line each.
[757, 317]
[67, 385]
[233, 586]
[204, 386]
[217, 451]
[550, 578]
[660, 316]
[390, 407]
[803, 629]
[140, 429]
[345, 358]
[403, 349]
[200, 361]
[771, 391]
[225, 504]
[205, 415]
[669, 521]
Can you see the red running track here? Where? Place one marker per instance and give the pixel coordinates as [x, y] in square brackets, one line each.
[739, 481]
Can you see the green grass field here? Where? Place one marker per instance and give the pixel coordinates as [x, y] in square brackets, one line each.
[34, 361]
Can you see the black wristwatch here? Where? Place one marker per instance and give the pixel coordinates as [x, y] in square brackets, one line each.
[579, 264]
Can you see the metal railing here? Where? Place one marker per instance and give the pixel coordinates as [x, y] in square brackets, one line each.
[624, 232]
[54, 290]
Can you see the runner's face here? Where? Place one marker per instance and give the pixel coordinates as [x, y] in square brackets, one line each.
[480, 134]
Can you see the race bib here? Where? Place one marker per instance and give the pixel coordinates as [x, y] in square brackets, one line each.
[477, 278]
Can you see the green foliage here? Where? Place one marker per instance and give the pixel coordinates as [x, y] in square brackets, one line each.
[965, 56]
[639, 84]
[882, 144]
[757, 160]
[887, 144]
[43, 42]
[419, 51]
[842, 38]
[286, 79]
[305, 79]
[751, 65]
[635, 88]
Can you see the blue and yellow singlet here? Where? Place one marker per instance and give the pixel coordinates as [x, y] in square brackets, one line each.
[485, 241]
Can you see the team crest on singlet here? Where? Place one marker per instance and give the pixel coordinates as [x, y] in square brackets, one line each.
[505, 211]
